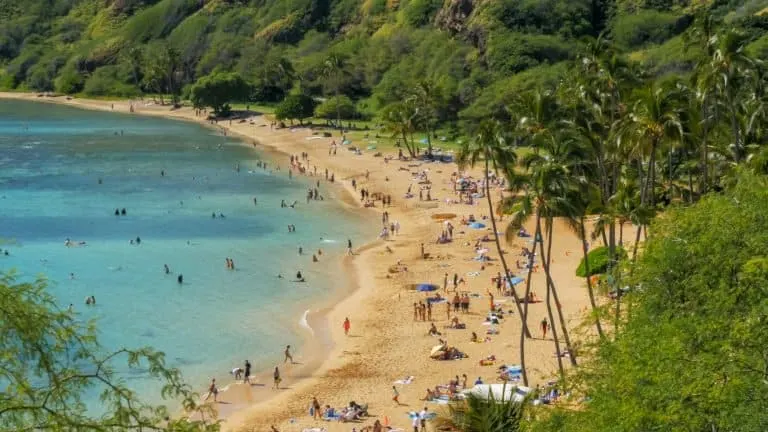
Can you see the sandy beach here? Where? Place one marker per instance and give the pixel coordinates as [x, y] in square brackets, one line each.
[385, 343]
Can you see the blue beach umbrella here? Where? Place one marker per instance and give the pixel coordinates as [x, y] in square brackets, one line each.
[426, 287]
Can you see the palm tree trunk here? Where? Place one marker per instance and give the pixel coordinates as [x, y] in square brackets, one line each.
[531, 258]
[690, 187]
[546, 261]
[553, 327]
[704, 155]
[621, 233]
[589, 278]
[498, 245]
[523, 334]
[735, 128]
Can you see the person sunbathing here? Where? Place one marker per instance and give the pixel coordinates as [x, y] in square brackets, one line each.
[430, 396]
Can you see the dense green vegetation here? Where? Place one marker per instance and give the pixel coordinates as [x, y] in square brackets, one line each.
[691, 354]
[476, 54]
[599, 261]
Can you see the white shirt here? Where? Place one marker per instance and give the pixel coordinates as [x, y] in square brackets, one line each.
[423, 415]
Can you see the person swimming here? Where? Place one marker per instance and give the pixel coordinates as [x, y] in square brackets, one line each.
[180, 279]
[167, 269]
[213, 215]
[123, 212]
[299, 277]
[138, 240]
[117, 212]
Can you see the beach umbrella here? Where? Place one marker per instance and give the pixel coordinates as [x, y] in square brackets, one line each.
[426, 287]
[477, 225]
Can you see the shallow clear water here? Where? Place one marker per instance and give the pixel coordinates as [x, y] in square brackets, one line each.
[51, 161]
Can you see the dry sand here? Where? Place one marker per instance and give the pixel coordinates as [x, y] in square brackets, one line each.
[385, 343]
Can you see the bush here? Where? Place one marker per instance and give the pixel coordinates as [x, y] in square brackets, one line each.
[295, 107]
[70, 81]
[598, 261]
[420, 12]
[512, 52]
[646, 26]
[217, 89]
[105, 81]
[336, 107]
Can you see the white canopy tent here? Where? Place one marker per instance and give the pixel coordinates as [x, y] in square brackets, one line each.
[499, 391]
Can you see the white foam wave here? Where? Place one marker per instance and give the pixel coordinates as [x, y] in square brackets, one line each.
[304, 323]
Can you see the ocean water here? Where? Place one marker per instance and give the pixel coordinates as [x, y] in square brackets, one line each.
[64, 171]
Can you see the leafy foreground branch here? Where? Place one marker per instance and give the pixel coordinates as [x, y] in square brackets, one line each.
[49, 360]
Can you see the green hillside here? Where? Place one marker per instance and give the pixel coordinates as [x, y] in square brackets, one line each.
[472, 50]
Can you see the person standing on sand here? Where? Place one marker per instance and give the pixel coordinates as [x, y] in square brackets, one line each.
[347, 325]
[315, 409]
[247, 374]
[448, 310]
[544, 328]
[396, 396]
[288, 354]
[276, 378]
[349, 246]
[445, 283]
[423, 419]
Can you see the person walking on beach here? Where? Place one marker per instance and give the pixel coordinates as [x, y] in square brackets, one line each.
[276, 378]
[423, 419]
[347, 325]
[544, 328]
[349, 246]
[445, 283]
[247, 374]
[212, 390]
[288, 354]
[396, 396]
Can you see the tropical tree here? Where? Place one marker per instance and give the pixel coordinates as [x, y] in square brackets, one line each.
[480, 414]
[161, 69]
[333, 71]
[490, 145]
[729, 67]
[557, 175]
[218, 89]
[400, 119]
[295, 107]
[427, 97]
[51, 358]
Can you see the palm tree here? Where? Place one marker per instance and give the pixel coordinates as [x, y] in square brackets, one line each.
[399, 119]
[576, 221]
[490, 144]
[426, 95]
[477, 414]
[333, 70]
[729, 67]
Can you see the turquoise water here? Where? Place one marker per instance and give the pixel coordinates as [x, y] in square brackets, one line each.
[52, 159]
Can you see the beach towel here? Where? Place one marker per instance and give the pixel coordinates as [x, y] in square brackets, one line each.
[333, 417]
[405, 381]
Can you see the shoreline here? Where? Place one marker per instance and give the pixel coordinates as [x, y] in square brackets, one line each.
[313, 326]
[386, 343]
